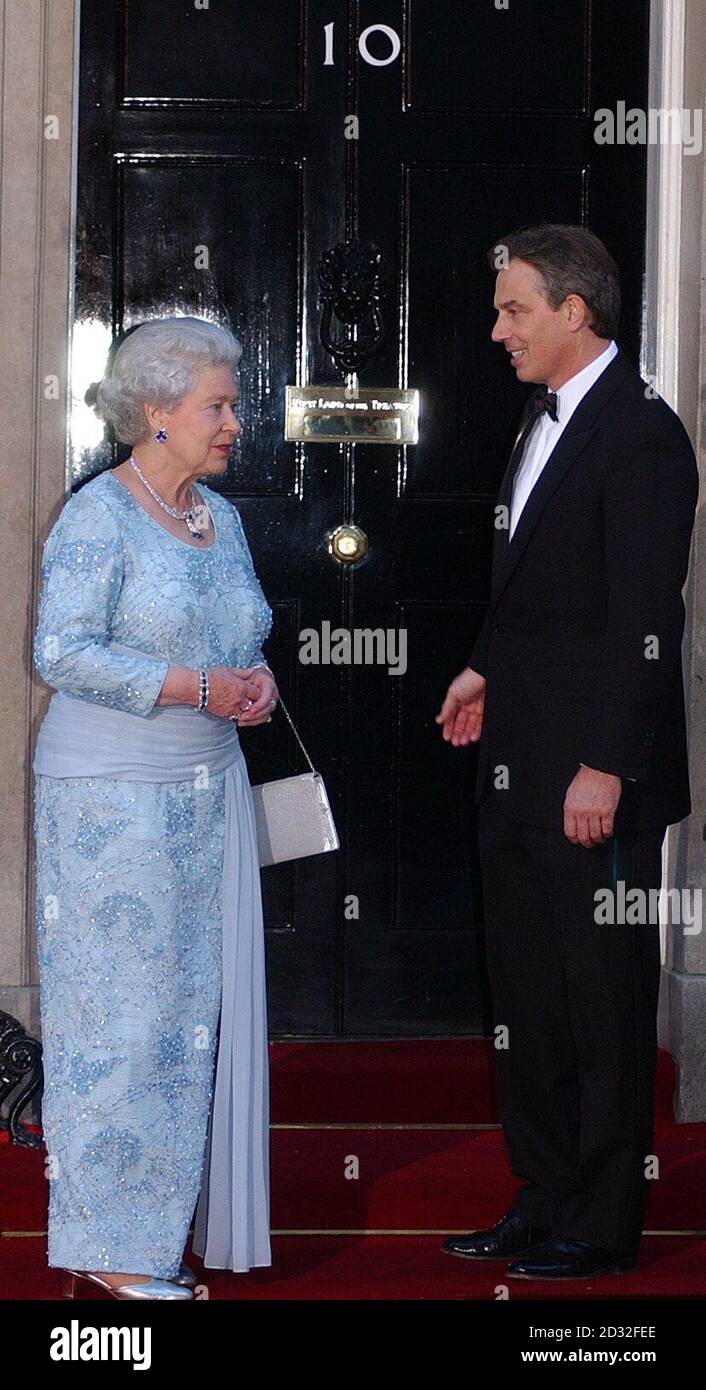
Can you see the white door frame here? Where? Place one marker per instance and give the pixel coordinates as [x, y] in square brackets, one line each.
[660, 324]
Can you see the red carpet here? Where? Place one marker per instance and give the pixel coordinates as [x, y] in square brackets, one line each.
[418, 1122]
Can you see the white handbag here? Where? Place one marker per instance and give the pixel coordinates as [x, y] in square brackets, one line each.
[293, 815]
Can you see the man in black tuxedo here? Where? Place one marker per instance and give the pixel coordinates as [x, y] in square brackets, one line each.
[574, 692]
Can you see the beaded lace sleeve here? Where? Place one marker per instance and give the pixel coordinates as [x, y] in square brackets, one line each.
[82, 573]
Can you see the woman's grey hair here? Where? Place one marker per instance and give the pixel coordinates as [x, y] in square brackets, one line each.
[158, 363]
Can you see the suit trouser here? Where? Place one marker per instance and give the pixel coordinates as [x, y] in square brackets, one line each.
[576, 1080]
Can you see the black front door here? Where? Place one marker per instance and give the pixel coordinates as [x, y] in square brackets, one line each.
[218, 163]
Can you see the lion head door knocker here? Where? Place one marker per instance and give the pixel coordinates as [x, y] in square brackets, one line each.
[351, 331]
[349, 276]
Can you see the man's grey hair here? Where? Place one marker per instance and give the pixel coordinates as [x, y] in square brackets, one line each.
[158, 363]
[570, 260]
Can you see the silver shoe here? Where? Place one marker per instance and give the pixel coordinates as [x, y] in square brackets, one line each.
[186, 1276]
[154, 1288]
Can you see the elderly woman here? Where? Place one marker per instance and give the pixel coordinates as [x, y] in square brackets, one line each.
[149, 916]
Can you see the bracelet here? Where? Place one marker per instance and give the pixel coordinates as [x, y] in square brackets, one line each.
[203, 690]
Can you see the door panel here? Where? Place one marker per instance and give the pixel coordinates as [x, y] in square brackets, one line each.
[223, 130]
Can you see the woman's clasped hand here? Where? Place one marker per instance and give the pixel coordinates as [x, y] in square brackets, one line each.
[231, 688]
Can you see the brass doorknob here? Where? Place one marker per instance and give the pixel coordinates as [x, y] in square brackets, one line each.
[347, 544]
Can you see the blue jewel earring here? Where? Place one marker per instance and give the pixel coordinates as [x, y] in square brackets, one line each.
[161, 435]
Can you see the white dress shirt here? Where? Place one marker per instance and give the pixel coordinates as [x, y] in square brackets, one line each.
[545, 433]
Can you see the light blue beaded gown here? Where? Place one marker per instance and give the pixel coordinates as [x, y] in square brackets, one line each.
[131, 881]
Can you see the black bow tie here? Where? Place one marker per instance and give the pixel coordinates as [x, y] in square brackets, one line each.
[541, 399]
[544, 399]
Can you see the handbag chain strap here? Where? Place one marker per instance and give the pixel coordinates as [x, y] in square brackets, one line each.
[296, 735]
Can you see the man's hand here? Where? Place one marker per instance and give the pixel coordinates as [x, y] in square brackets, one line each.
[590, 805]
[461, 714]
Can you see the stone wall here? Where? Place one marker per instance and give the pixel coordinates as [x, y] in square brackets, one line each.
[37, 82]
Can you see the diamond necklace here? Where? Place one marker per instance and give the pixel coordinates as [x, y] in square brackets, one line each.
[188, 516]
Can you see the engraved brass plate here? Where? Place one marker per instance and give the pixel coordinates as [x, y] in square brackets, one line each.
[336, 415]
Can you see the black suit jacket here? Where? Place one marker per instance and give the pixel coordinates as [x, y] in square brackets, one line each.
[581, 644]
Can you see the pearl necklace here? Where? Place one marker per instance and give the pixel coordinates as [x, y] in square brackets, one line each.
[188, 516]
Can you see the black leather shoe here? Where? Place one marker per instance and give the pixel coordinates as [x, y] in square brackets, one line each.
[557, 1258]
[509, 1236]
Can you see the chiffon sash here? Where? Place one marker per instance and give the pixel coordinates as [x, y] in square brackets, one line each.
[79, 738]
